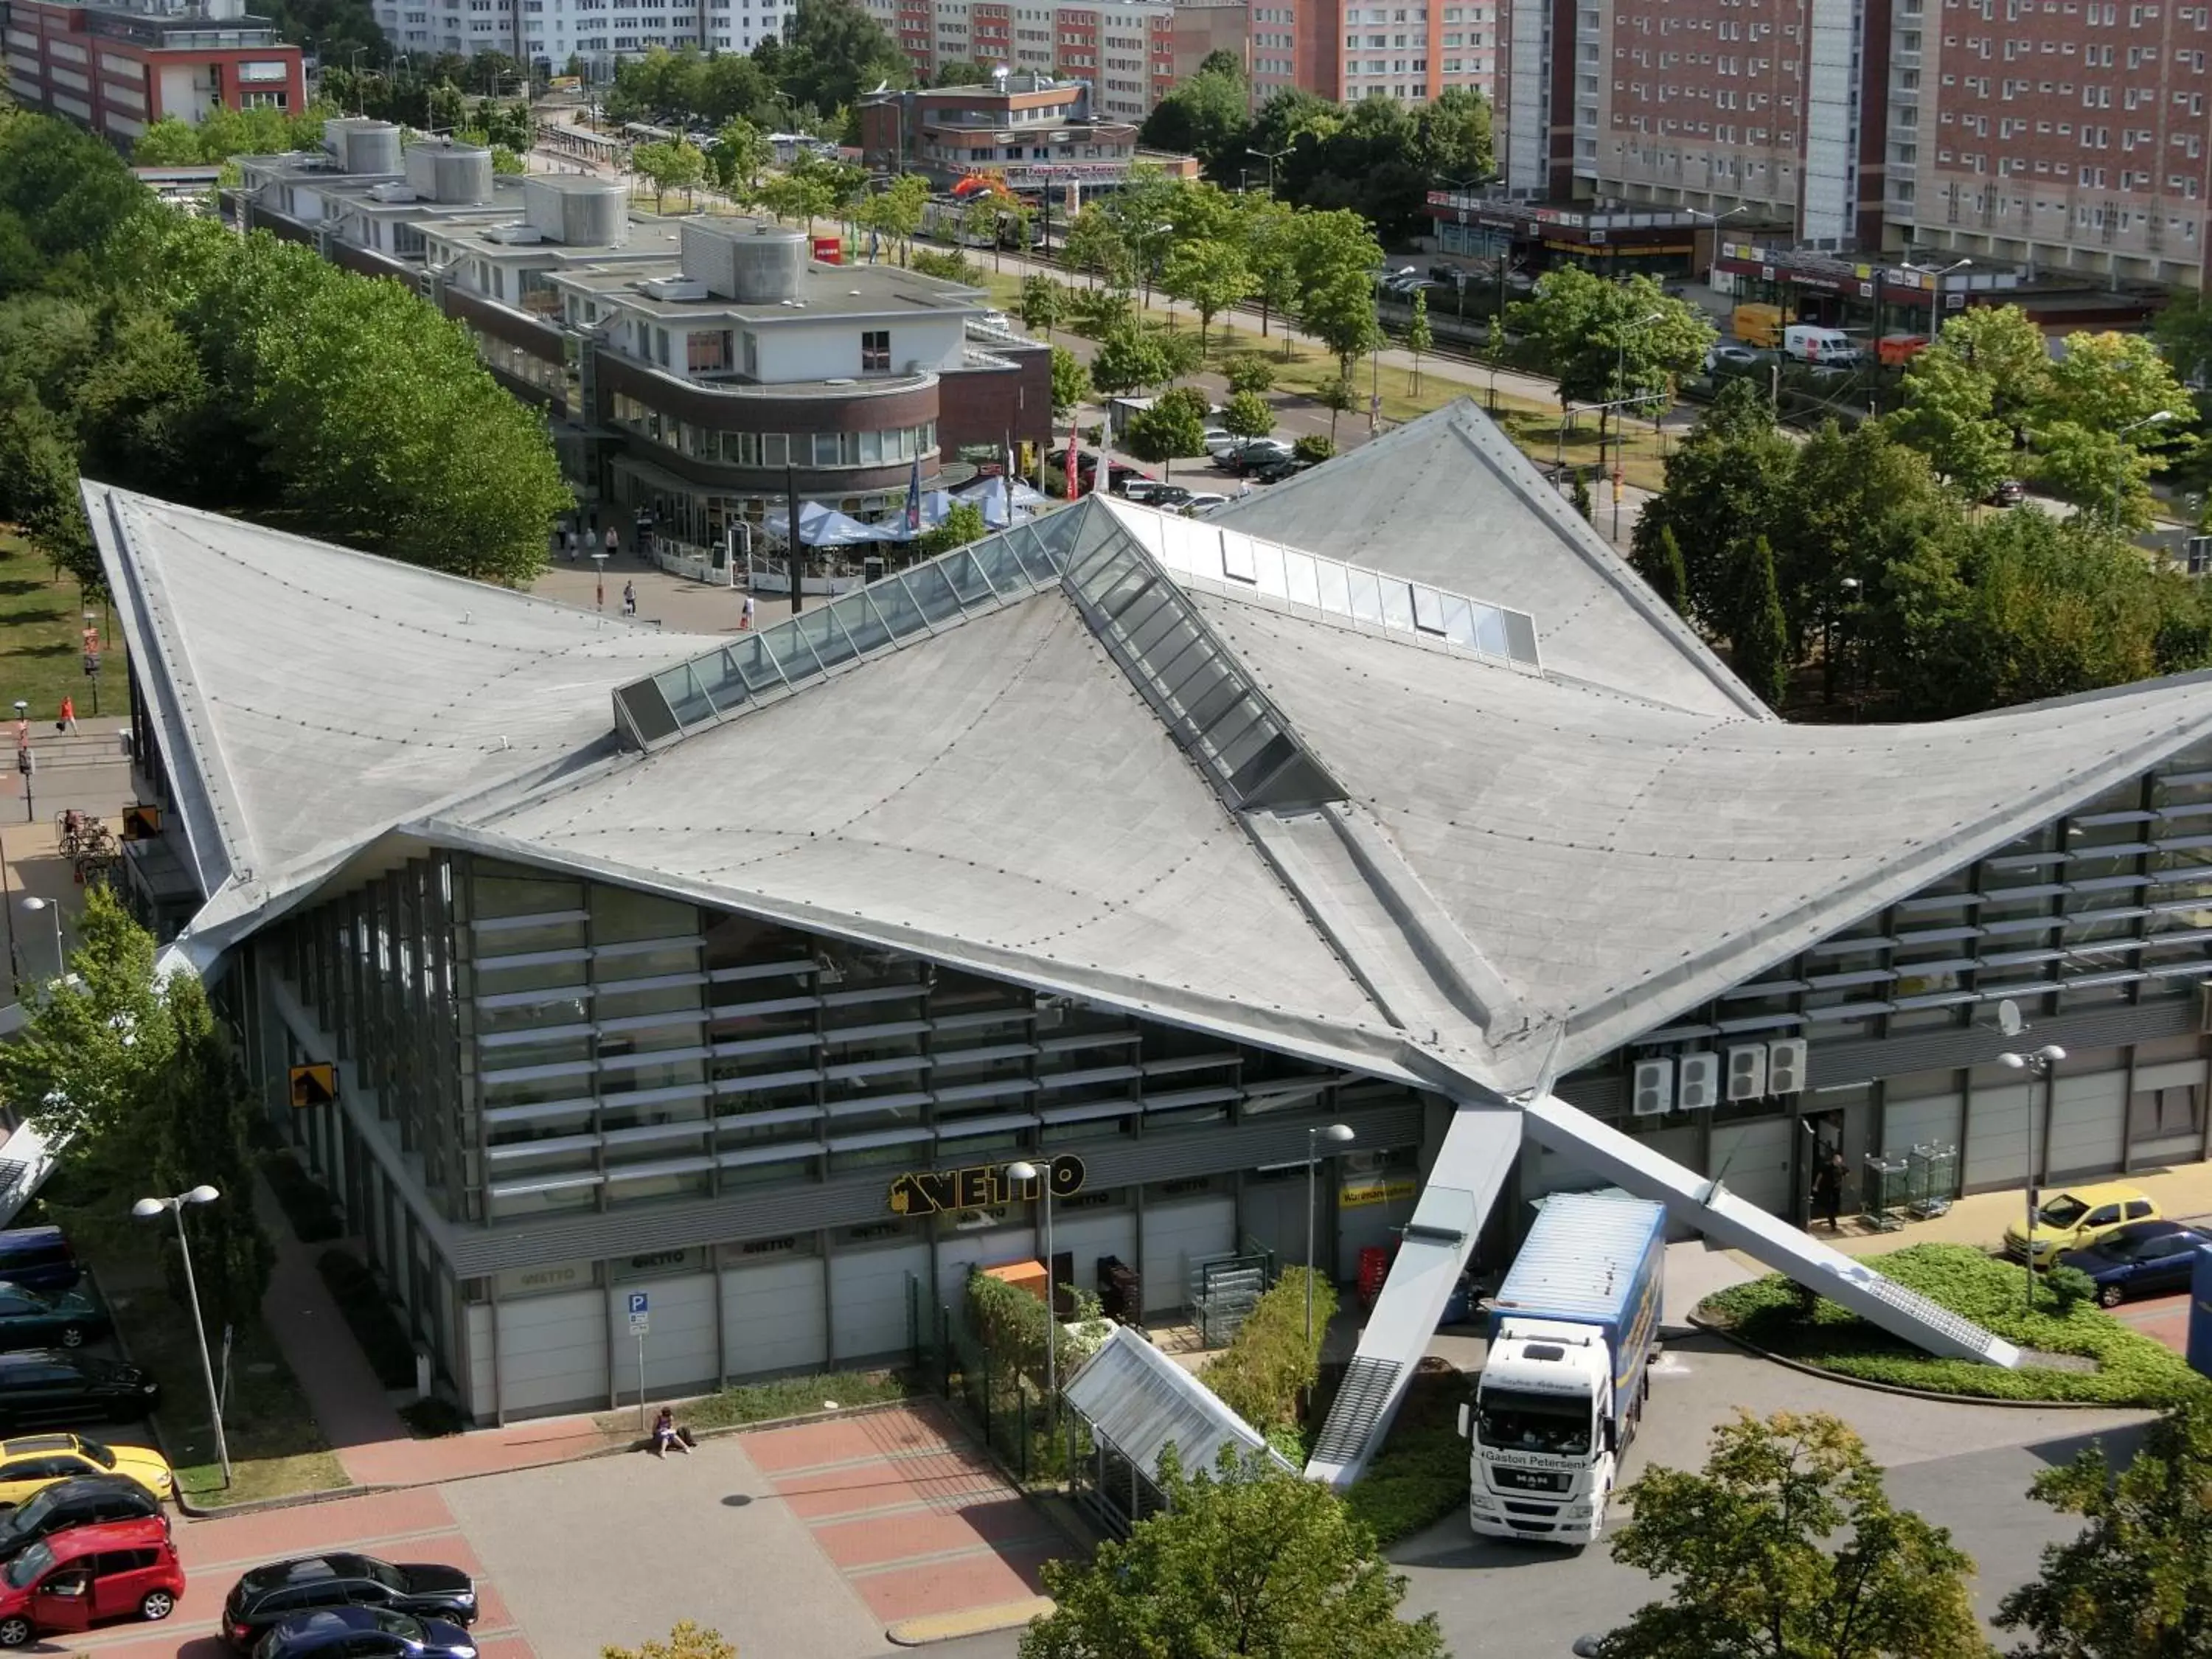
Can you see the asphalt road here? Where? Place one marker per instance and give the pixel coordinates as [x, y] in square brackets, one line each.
[1966, 1467]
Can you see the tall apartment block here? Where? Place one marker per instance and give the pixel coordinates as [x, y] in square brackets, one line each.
[548, 33]
[2053, 135]
[118, 68]
[1125, 49]
[1409, 52]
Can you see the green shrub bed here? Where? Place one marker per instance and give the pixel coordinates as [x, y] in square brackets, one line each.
[2131, 1368]
[1422, 1473]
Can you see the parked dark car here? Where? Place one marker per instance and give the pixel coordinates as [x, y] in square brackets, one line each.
[1147, 492]
[365, 1633]
[30, 1319]
[85, 1501]
[2009, 492]
[44, 1386]
[1275, 472]
[2144, 1258]
[267, 1596]
[1261, 452]
[39, 1258]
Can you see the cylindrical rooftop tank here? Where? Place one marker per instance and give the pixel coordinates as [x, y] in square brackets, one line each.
[450, 172]
[577, 213]
[370, 147]
[767, 264]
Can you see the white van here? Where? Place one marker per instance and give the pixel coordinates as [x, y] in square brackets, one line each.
[1808, 344]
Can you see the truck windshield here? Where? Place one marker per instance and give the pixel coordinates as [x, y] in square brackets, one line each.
[1513, 1420]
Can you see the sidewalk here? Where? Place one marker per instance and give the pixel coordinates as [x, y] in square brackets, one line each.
[355, 1414]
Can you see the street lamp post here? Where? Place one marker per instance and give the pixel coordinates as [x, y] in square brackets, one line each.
[1936, 273]
[1337, 1135]
[1026, 1172]
[1713, 221]
[146, 1209]
[34, 904]
[1620, 414]
[2156, 417]
[1270, 156]
[2036, 1065]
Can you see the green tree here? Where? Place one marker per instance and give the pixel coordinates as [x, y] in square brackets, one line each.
[2183, 332]
[1420, 339]
[1265, 1372]
[1786, 1547]
[1578, 493]
[686, 1641]
[1128, 360]
[1249, 371]
[1210, 276]
[1247, 1559]
[1269, 232]
[2136, 1582]
[2109, 408]
[1248, 415]
[1042, 300]
[505, 161]
[1949, 414]
[735, 159]
[1455, 128]
[667, 167]
[832, 50]
[1094, 244]
[1070, 381]
[1666, 572]
[894, 212]
[1760, 634]
[167, 143]
[963, 75]
[1609, 341]
[1173, 426]
[1338, 396]
[964, 523]
[96, 1041]
[1206, 117]
[1721, 485]
[200, 1107]
[1336, 257]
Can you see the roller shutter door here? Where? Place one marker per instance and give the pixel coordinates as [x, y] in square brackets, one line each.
[772, 1317]
[2088, 1123]
[679, 1352]
[1756, 1161]
[1177, 1235]
[868, 1301]
[1931, 1121]
[553, 1351]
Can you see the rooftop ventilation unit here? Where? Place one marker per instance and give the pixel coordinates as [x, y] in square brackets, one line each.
[672, 288]
[516, 235]
[392, 193]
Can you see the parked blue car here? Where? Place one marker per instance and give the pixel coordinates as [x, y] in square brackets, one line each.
[364, 1633]
[2144, 1258]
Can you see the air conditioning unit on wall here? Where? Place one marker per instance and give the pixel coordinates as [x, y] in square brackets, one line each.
[1785, 1066]
[1697, 1082]
[1654, 1091]
[1747, 1071]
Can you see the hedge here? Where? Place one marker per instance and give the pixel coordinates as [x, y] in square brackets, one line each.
[306, 1203]
[2132, 1369]
[1264, 1373]
[370, 1315]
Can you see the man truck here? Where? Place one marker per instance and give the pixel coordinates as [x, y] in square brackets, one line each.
[1572, 1331]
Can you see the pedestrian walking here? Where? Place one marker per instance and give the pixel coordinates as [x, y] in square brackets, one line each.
[611, 541]
[568, 543]
[629, 598]
[745, 614]
[1829, 1187]
[69, 714]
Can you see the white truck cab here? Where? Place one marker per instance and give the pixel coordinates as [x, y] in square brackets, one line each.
[1544, 1454]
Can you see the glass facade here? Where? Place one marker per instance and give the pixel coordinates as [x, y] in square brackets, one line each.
[888, 447]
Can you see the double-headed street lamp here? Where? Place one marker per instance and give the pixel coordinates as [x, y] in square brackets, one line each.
[146, 1209]
[1620, 410]
[1336, 1134]
[2037, 1064]
[1935, 274]
[1026, 1172]
[2156, 417]
[1270, 156]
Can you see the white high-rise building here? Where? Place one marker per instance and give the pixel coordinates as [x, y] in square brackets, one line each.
[551, 32]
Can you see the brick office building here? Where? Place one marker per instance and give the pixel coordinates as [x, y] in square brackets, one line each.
[116, 67]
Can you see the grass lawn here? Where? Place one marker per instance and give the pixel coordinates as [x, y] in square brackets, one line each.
[41, 637]
[784, 1396]
[276, 1448]
[2131, 1370]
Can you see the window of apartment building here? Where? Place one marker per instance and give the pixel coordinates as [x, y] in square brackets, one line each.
[876, 351]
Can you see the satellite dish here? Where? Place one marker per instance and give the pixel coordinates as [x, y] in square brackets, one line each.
[2008, 1020]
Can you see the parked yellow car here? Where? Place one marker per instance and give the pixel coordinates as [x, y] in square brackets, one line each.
[2075, 1218]
[38, 1460]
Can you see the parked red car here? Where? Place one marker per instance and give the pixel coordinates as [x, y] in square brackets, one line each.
[74, 1579]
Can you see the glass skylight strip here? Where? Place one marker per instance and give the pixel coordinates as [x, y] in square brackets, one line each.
[1236, 563]
[824, 637]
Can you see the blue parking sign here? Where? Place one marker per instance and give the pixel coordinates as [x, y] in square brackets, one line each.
[637, 1302]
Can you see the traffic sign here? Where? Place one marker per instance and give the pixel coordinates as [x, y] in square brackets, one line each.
[313, 1085]
[640, 1314]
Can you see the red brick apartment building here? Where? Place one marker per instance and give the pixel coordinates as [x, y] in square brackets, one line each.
[116, 67]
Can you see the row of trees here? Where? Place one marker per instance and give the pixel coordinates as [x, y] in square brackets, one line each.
[1784, 1546]
[1379, 158]
[1855, 547]
[807, 80]
[159, 351]
[503, 128]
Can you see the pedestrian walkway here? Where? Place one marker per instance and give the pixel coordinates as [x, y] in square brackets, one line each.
[2181, 1190]
[915, 1516]
[351, 1405]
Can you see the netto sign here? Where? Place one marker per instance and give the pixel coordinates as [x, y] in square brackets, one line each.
[934, 1191]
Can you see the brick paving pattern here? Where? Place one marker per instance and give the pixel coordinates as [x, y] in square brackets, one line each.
[914, 1517]
[2164, 1318]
